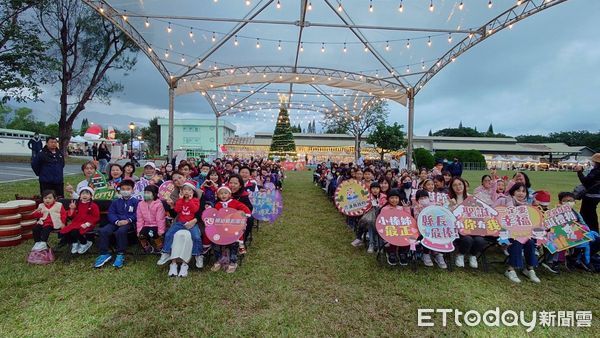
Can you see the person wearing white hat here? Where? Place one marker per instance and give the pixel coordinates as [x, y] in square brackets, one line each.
[149, 170]
[590, 200]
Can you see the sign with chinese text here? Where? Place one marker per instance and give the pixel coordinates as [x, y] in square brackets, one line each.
[564, 231]
[225, 226]
[521, 222]
[165, 190]
[438, 227]
[476, 218]
[267, 205]
[397, 226]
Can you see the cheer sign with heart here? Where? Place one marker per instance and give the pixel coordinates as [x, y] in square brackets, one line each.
[225, 226]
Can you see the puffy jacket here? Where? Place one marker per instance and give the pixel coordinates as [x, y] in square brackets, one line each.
[151, 214]
[122, 209]
[49, 166]
[591, 182]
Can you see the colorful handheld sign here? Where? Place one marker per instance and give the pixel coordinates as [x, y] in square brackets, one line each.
[475, 218]
[438, 227]
[397, 226]
[521, 222]
[225, 226]
[138, 188]
[267, 205]
[165, 190]
[352, 198]
[564, 231]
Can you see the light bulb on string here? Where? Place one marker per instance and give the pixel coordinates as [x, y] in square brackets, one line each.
[408, 44]
[401, 7]
[125, 16]
[407, 69]
[449, 37]
[340, 6]
[248, 2]
[278, 5]
[366, 48]
[461, 5]
[235, 41]
[490, 4]
[519, 2]
[169, 29]
[422, 65]
[214, 37]
[387, 46]
[147, 23]
[345, 49]
[150, 49]
[322, 47]
[166, 54]
[279, 45]
[191, 33]
[429, 41]
[301, 47]
[371, 6]
[310, 6]
[431, 6]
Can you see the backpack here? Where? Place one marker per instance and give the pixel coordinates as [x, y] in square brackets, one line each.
[41, 257]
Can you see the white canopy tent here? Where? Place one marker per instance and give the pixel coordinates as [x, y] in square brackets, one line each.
[329, 57]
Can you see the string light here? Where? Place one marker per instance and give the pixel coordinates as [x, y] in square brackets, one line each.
[387, 46]
[301, 47]
[166, 54]
[461, 5]
[235, 41]
[278, 5]
[279, 45]
[191, 33]
[310, 6]
[366, 48]
[149, 49]
[401, 7]
[431, 7]
[449, 37]
[214, 37]
[102, 9]
[257, 43]
[429, 41]
[248, 2]
[340, 6]
[322, 47]
[147, 23]
[408, 44]
[371, 6]
[422, 65]
[345, 49]
[519, 2]
[490, 4]
[125, 16]
[169, 29]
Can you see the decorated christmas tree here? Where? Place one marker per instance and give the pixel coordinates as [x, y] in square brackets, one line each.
[282, 144]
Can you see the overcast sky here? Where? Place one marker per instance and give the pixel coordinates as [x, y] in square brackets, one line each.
[539, 77]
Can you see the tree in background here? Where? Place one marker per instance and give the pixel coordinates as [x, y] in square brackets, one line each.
[490, 130]
[387, 138]
[84, 126]
[423, 158]
[22, 58]
[571, 138]
[151, 135]
[357, 125]
[465, 156]
[458, 132]
[85, 47]
[282, 144]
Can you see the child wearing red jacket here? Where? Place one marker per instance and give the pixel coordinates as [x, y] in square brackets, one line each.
[51, 215]
[225, 201]
[186, 208]
[84, 215]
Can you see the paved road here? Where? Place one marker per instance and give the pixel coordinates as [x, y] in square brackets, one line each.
[14, 172]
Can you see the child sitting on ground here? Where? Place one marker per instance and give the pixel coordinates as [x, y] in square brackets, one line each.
[225, 201]
[51, 215]
[186, 208]
[84, 215]
[150, 220]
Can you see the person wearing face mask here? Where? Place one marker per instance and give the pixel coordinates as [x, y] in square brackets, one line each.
[149, 170]
[122, 216]
[202, 175]
[150, 226]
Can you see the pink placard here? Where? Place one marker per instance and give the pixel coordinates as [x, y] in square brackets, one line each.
[225, 226]
[521, 222]
[397, 226]
[165, 190]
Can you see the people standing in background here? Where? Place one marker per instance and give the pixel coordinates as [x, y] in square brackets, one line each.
[48, 165]
[103, 156]
[35, 144]
[95, 152]
[590, 200]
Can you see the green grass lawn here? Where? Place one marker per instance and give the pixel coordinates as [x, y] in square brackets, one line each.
[301, 278]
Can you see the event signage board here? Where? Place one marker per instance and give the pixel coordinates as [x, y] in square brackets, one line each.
[266, 205]
[352, 198]
[476, 218]
[397, 226]
[224, 226]
[438, 227]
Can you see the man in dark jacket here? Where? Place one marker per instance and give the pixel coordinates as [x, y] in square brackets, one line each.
[48, 165]
[589, 202]
[35, 144]
[456, 168]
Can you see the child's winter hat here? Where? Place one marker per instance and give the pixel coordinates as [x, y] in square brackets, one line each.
[190, 184]
[542, 197]
[224, 187]
[88, 189]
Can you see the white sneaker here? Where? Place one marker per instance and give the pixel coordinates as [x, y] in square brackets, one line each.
[183, 271]
[473, 261]
[200, 261]
[460, 261]
[173, 270]
[439, 260]
[164, 258]
[356, 243]
[43, 246]
[531, 275]
[83, 248]
[36, 246]
[370, 249]
[427, 260]
[512, 275]
[75, 248]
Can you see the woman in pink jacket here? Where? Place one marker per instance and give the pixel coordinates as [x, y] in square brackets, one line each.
[151, 220]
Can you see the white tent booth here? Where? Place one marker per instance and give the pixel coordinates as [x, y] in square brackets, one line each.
[331, 59]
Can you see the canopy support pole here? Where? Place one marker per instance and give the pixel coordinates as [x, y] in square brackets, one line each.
[216, 136]
[411, 124]
[171, 120]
